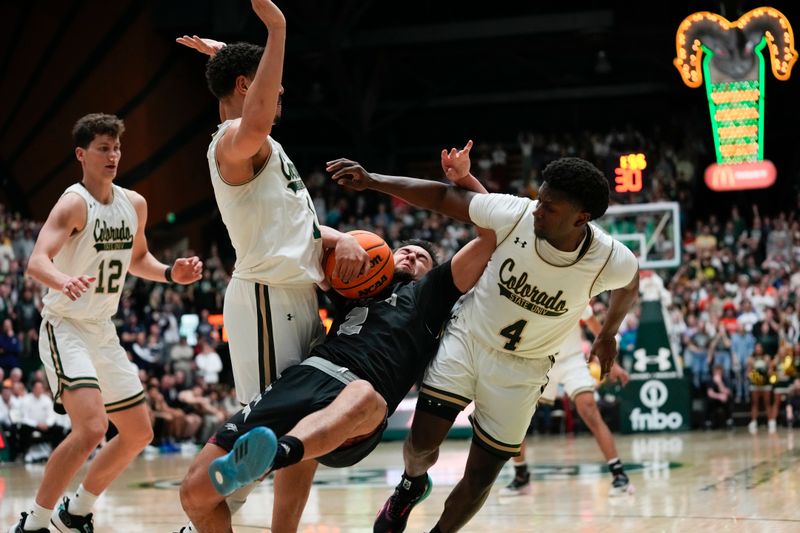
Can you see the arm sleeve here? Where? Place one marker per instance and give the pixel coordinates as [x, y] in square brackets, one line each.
[618, 271]
[498, 212]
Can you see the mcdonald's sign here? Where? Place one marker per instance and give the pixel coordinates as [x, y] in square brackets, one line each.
[740, 176]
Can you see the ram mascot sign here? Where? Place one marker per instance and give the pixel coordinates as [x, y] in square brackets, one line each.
[728, 57]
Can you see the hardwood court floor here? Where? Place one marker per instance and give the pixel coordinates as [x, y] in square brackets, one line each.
[715, 480]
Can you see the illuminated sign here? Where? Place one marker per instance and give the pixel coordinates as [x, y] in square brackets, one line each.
[728, 56]
[629, 173]
[740, 176]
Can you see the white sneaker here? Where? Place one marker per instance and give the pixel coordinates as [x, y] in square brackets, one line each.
[772, 426]
[752, 427]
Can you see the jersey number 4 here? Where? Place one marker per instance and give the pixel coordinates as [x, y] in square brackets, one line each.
[110, 285]
[513, 332]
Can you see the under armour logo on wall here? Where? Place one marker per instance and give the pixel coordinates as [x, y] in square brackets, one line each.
[517, 241]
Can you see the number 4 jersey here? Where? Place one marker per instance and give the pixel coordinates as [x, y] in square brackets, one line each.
[102, 250]
[531, 295]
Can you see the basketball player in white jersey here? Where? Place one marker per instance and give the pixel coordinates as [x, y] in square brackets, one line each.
[271, 310]
[572, 371]
[92, 238]
[549, 262]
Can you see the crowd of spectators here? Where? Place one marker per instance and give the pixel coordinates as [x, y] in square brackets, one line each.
[734, 294]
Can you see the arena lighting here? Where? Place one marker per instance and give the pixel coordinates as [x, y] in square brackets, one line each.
[629, 173]
[728, 55]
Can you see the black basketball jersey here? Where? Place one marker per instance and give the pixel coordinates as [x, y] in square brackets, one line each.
[390, 339]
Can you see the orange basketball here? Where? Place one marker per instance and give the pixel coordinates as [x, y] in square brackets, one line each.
[379, 275]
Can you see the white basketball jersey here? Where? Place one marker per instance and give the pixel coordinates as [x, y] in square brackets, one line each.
[101, 250]
[523, 304]
[271, 221]
[573, 344]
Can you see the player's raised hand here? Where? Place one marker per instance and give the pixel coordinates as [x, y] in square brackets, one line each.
[349, 174]
[351, 259]
[269, 13]
[187, 270]
[209, 47]
[605, 349]
[74, 287]
[456, 163]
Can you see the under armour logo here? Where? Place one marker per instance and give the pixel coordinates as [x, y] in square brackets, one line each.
[232, 427]
[643, 359]
[522, 244]
[407, 484]
[289, 316]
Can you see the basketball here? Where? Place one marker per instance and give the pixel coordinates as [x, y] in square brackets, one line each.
[379, 275]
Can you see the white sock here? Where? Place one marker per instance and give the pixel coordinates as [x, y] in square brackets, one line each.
[83, 501]
[38, 518]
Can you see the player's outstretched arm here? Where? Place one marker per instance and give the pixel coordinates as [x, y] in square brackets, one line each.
[619, 303]
[445, 199]
[185, 270]
[456, 166]
[245, 138]
[67, 216]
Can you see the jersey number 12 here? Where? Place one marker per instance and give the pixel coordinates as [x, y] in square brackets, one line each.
[114, 272]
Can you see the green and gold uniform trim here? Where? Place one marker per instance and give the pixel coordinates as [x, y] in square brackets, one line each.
[267, 366]
[453, 400]
[127, 403]
[490, 444]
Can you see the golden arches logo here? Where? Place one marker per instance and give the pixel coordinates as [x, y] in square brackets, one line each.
[759, 22]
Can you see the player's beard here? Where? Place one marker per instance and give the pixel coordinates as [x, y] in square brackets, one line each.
[402, 276]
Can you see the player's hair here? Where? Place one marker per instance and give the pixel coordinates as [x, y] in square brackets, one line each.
[581, 182]
[425, 245]
[232, 61]
[90, 126]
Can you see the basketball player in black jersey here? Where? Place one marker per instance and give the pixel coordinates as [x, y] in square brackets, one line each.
[333, 407]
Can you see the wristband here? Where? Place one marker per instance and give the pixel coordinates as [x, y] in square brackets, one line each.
[168, 274]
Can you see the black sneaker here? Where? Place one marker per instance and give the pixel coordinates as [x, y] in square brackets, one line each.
[519, 486]
[621, 485]
[393, 517]
[19, 527]
[64, 522]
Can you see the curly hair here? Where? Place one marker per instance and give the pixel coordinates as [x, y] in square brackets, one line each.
[581, 182]
[232, 61]
[90, 126]
[425, 245]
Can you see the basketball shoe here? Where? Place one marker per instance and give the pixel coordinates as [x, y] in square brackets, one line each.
[65, 522]
[393, 517]
[519, 486]
[621, 485]
[19, 527]
[251, 457]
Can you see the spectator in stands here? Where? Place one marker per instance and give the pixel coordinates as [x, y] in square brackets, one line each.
[38, 423]
[143, 357]
[208, 363]
[719, 399]
[742, 345]
[9, 347]
[181, 356]
[760, 368]
[719, 349]
[204, 329]
[9, 421]
[697, 347]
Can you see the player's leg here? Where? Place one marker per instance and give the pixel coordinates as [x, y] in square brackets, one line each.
[296, 328]
[204, 506]
[506, 394]
[471, 492]
[448, 386]
[590, 414]
[125, 405]
[72, 377]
